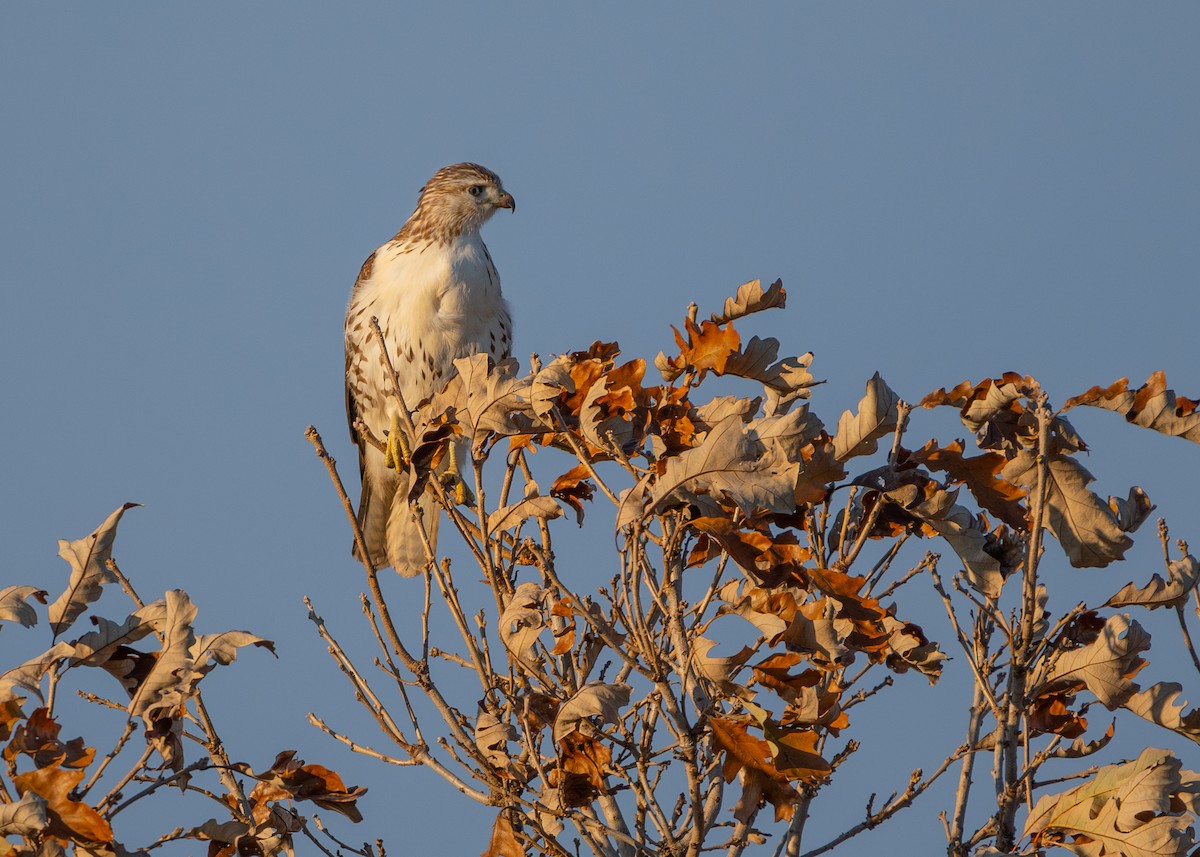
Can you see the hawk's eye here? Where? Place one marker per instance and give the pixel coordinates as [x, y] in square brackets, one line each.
[476, 190]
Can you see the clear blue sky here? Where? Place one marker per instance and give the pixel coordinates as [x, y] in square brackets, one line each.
[947, 190]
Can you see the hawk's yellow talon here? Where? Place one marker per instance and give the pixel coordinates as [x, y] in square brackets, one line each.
[395, 451]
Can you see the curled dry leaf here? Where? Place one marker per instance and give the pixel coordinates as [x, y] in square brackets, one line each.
[485, 398]
[858, 434]
[171, 679]
[720, 670]
[751, 298]
[492, 735]
[1151, 406]
[595, 699]
[96, 648]
[290, 778]
[1160, 704]
[1085, 526]
[38, 739]
[514, 515]
[87, 558]
[1132, 809]
[503, 841]
[67, 819]
[25, 817]
[1108, 664]
[26, 680]
[1182, 576]
[212, 650]
[522, 621]
[752, 757]
[13, 606]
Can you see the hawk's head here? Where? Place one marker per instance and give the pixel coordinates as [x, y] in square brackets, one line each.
[459, 198]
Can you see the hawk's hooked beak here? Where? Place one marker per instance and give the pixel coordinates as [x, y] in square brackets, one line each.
[506, 201]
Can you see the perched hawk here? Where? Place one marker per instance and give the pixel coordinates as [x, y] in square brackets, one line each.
[437, 295]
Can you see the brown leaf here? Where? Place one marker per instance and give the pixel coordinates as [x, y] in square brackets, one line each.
[25, 680]
[1125, 809]
[752, 757]
[594, 699]
[992, 410]
[732, 465]
[1083, 524]
[87, 558]
[522, 622]
[574, 489]
[13, 607]
[1182, 577]
[1160, 704]
[514, 515]
[980, 475]
[858, 434]
[25, 817]
[211, 650]
[309, 782]
[173, 676]
[751, 298]
[1108, 664]
[67, 819]
[503, 842]
[706, 348]
[95, 648]
[38, 739]
[485, 398]
[1151, 406]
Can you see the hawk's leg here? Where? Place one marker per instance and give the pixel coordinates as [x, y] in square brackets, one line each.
[395, 450]
[452, 480]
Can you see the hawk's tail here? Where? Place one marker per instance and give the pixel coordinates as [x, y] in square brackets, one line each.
[384, 516]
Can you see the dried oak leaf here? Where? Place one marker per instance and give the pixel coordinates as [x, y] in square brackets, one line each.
[1151, 406]
[1084, 525]
[24, 681]
[13, 606]
[1182, 577]
[97, 648]
[87, 558]
[492, 735]
[289, 777]
[173, 675]
[732, 465]
[706, 348]
[25, 817]
[1107, 665]
[772, 560]
[503, 841]
[858, 434]
[38, 739]
[1160, 704]
[522, 622]
[574, 489]
[980, 474]
[212, 650]
[753, 759]
[720, 670]
[992, 410]
[594, 699]
[66, 819]
[485, 398]
[751, 298]
[1131, 809]
[515, 514]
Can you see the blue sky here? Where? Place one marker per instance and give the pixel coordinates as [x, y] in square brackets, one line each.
[948, 191]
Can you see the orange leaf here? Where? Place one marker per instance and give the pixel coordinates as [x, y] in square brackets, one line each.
[504, 840]
[69, 819]
[752, 757]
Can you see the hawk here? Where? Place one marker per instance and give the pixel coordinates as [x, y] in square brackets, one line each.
[436, 293]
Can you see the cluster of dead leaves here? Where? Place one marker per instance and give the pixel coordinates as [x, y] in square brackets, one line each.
[158, 680]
